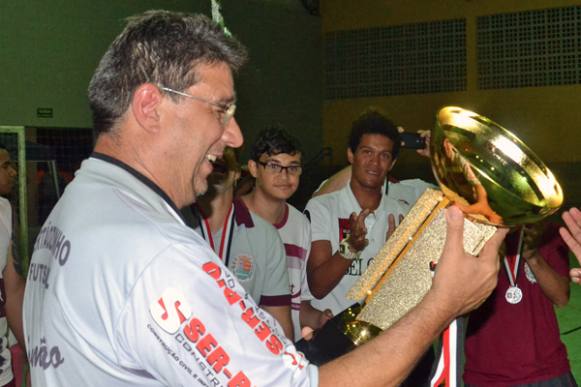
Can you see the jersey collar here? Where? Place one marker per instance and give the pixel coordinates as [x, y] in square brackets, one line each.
[139, 176]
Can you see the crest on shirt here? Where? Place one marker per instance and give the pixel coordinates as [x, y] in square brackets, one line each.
[529, 274]
[243, 267]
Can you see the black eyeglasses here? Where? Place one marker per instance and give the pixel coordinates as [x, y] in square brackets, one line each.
[294, 170]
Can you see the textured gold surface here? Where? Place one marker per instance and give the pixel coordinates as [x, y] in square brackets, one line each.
[409, 280]
[399, 240]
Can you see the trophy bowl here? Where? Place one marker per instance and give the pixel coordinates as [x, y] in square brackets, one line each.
[489, 172]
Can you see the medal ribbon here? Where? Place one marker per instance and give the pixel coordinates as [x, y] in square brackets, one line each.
[511, 266]
[448, 371]
[227, 234]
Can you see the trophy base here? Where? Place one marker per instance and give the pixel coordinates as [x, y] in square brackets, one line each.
[343, 333]
[337, 337]
[330, 343]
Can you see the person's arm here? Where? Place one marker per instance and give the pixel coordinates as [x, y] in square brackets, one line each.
[325, 268]
[546, 255]
[282, 314]
[553, 285]
[14, 286]
[462, 282]
[309, 316]
[312, 317]
[335, 182]
[275, 295]
[571, 234]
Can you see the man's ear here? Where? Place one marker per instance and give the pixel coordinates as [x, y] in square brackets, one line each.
[349, 156]
[144, 105]
[392, 165]
[253, 168]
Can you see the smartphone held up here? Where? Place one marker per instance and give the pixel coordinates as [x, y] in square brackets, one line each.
[412, 140]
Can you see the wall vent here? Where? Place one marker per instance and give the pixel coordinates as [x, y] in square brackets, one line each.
[414, 58]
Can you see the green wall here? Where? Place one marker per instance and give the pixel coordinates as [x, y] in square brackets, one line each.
[48, 51]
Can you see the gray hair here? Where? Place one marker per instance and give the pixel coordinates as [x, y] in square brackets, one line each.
[159, 47]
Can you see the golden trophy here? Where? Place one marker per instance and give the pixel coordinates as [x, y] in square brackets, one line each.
[494, 178]
[491, 175]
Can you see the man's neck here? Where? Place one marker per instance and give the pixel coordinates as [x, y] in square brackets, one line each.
[368, 198]
[269, 209]
[144, 158]
[216, 210]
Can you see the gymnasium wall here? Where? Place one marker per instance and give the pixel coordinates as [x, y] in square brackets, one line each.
[519, 63]
[49, 51]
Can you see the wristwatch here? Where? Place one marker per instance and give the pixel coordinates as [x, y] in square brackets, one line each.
[345, 250]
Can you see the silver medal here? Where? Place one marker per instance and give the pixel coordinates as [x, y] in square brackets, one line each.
[513, 295]
[529, 274]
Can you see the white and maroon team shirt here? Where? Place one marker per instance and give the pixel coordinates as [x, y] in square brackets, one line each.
[132, 296]
[329, 215]
[253, 251]
[295, 232]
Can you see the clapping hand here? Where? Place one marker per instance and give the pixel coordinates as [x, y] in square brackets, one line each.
[571, 234]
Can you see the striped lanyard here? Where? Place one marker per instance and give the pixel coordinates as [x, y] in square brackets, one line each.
[511, 262]
[227, 234]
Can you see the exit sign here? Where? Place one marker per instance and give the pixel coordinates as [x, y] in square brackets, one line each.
[44, 112]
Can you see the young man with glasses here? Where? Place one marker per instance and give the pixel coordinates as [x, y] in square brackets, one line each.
[276, 164]
[132, 296]
[248, 245]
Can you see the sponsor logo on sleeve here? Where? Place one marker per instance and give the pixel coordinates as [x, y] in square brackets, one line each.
[173, 314]
[256, 320]
[169, 312]
[249, 315]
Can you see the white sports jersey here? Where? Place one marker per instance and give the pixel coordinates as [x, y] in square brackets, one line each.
[295, 232]
[132, 296]
[329, 215]
[5, 237]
